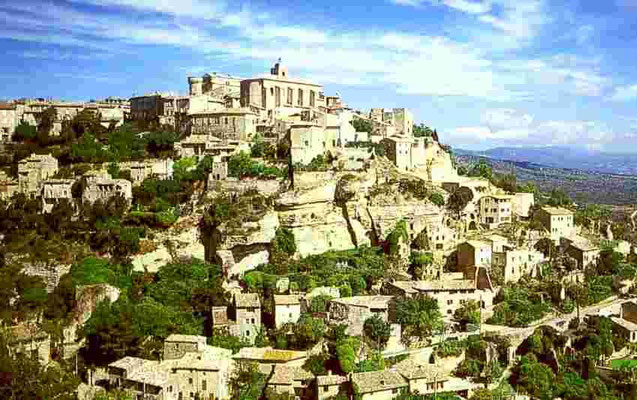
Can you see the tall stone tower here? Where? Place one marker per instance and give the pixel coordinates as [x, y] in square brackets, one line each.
[280, 70]
[196, 85]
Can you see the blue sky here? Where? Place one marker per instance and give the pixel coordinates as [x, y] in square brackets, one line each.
[483, 72]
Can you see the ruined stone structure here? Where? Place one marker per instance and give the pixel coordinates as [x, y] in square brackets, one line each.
[140, 170]
[32, 172]
[356, 310]
[102, 187]
[226, 123]
[54, 190]
[214, 84]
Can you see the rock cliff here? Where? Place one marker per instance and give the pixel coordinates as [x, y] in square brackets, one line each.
[330, 210]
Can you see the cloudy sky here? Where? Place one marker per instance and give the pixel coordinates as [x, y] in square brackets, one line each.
[483, 72]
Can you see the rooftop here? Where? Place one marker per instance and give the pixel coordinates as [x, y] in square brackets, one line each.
[186, 338]
[629, 326]
[286, 300]
[328, 380]
[445, 284]
[583, 244]
[557, 211]
[247, 300]
[477, 244]
[269, 354]
[375, 381]
[285, 375]
[411, 369]
[365, 301]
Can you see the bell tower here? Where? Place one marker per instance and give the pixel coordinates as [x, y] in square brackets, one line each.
[279, 70]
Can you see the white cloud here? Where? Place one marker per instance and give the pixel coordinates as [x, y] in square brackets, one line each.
[625, 93]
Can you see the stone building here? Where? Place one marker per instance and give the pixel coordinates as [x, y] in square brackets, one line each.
[190, 368]
[32, 171]
[287, 309]
[267, 358]
[521, 205]
[398, 151]
[423, 378]
[329, 385]
[214, 84]
[626, 323]
[8, 187]
[226, 123]
[8, 121]
[290, 379]
[102, 187]
[558, 221]
[450, 294]
[30, 340]
[140, 170]
[517, 263]
[205, 145]
[582, 250]
[164, 108]
[495, 209]
[279, 91]
[400, 119]
[219, 172]
[247, 308]
[379, 385]
[356, 310]
[474, 253]
[55, 190]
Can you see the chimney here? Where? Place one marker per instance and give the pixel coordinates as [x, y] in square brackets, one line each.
[329, 372]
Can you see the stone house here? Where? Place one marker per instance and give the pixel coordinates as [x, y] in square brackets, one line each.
[30, 340]
[356, 310]
[215, 84]
[190, 368]
[450, 294]
[581, 250]
[176, 346]
[54, 190]
[8, 187]
[518, 263]
[227, 123]
[290, 379]
[558, 221]
[279, 91]
[142, 377]
[219, 172]
[287, 309]
[495, 209]
[247, 309]
[398, 151]
[8, 121]
[422, 378]
[140, 170]
[33, 170]
[474, 253]
[204, 145]
[329, 385]
[521, 204]
[626, 323]
[267, 357]
[379, 385]
[102, 187]
[307, 140]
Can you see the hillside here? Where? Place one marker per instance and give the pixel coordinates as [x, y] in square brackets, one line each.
[582, 186]
[564, 157]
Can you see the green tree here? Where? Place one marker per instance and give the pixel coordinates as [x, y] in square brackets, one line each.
[346, 353]
[420, 316]
[468, 313]
[377, 330]
[362, 125]
[257, 149]
[535, 378]
[246, 382]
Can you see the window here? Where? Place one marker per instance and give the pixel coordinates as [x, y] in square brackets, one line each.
[253, 321]
[277, 97]
[204, 385]
[290, 95]
[312, 98]
[247, 333]
[325, 388]
[190, 382]
[449, 302]
[300, 100]
[394, 391]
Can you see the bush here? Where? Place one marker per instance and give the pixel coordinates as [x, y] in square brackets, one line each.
[437, 198]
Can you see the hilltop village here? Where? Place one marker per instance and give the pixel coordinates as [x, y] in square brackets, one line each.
[258, 238]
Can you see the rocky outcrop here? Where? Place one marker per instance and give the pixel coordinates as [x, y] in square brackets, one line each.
[330, 210]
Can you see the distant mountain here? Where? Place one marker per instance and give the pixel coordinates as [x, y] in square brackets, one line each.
[563, 157]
